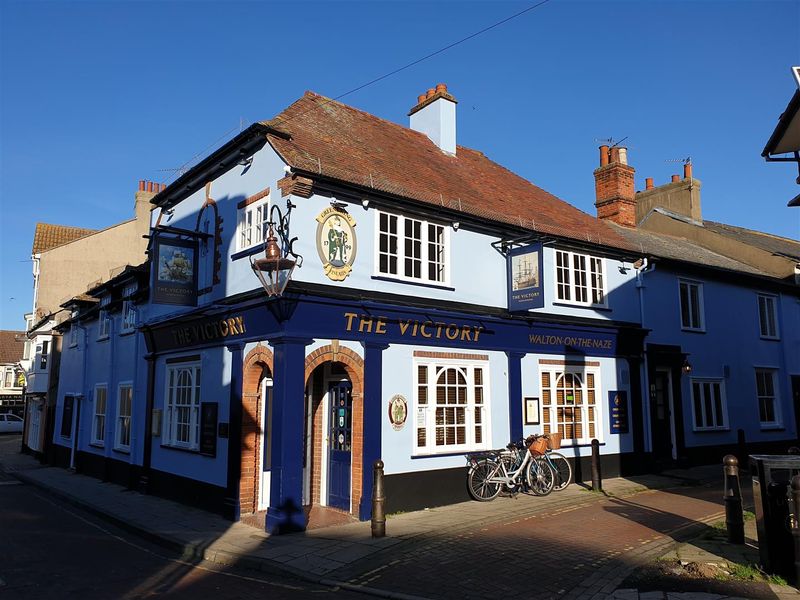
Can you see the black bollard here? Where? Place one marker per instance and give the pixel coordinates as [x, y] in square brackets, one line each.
[796, 525]
[734, 519]
[597, 478]
[378, 501]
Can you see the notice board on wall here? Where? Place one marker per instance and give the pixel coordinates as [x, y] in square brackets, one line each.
[208, 428]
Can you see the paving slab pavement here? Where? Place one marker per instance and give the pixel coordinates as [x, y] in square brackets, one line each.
[347, 555]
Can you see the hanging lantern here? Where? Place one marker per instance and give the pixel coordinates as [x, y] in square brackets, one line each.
[275, 269]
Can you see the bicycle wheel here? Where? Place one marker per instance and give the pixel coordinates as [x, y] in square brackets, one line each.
[563, 471]
[541, 477]
[478, 484]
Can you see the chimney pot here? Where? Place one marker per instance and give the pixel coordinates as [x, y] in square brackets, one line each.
[141, 185]
[430, 93]
[149, 186]
[421, 98]
[615, 154]
[603, 156]
[623, 155]
[687, 171]
[675, 178]
[441, 87]
[648, 183]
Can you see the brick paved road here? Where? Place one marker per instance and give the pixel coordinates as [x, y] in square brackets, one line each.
[580, 551]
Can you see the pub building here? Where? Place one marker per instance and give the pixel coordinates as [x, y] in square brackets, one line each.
[422, 302]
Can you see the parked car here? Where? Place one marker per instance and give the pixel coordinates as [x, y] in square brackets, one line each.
[10, 423]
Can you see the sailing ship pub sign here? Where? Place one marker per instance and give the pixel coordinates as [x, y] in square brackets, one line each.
[525, 285]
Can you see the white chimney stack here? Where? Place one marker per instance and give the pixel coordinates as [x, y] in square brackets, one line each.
[435, 116]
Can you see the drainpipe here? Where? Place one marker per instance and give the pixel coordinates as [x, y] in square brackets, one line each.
[647, 267]
[79, 399]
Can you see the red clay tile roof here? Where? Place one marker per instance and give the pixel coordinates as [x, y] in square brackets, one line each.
[355, 147]
[10, 348]
[49, 236]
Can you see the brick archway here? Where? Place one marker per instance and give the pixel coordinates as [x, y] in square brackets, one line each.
[257, 365]
[354, 366]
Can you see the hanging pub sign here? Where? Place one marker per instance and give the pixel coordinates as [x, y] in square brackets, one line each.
[618, 411]
[525, 289]
[175, 272]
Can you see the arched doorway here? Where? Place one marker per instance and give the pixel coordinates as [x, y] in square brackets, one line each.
[334, 439]
[256, 404]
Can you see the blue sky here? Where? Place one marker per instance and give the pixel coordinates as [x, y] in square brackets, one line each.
[97, 95]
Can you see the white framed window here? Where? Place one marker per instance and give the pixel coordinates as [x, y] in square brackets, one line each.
[8, 377]
[182, 406]
[44, 355]
[128, 316]
[709, 405]
[580, 279]
[252, 227]
[412, 249]
[103, 324]
[569, 403]
[451, 405]
[691, 301]
[99, 419]
[122, 435]
[769, 414]
[767, 316]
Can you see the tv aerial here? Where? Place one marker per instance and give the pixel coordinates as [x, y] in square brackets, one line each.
[684, 161]
[610, 141]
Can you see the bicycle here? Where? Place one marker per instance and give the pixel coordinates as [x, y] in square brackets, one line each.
[493, 471]
[557, 462]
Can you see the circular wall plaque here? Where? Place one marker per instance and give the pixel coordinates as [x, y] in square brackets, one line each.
[398, 412]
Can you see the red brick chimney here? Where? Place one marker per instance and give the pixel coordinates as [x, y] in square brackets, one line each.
[614, 190]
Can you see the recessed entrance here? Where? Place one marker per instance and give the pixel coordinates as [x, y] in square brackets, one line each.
[333, 448]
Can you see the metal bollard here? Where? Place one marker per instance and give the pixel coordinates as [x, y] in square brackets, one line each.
[796, 525]
[378, 501]
[734, 519]
[597, 478]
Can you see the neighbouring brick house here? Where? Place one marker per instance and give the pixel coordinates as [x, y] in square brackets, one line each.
[444, 305]
[12, 379]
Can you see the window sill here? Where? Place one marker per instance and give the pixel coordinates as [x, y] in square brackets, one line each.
[448, 454]
[715, 430]
[126, 332]
[248, 251]
[123, 450]
[98, 445]
[427, 284]
[588, 444]
[769, 338]
[599, 307]
[692, 330]
[102, 339]
[776, 427]
[181, 449]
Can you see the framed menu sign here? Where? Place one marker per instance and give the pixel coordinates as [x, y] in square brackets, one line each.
[208, 428]
[618, 411]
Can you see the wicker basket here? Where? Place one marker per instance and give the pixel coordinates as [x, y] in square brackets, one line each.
[553, 440]
[538, 447]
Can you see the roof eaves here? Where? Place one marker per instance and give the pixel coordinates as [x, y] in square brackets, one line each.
[220, 161]
[783, 124]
